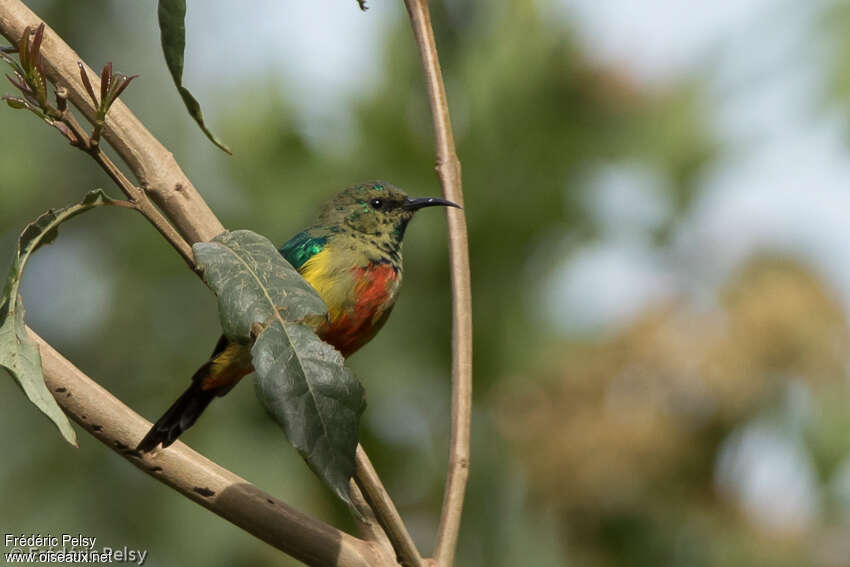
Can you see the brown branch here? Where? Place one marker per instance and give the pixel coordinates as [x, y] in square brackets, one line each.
[199, 479]
[369, 525]
[385, 510]
[448, 170]
[151, 163]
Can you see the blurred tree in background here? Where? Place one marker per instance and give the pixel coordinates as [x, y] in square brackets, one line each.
[623, 444]
[634, 446]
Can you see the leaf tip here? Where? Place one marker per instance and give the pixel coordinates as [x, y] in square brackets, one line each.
[71, 438]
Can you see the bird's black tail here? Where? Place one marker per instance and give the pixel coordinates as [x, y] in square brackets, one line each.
[180, 416]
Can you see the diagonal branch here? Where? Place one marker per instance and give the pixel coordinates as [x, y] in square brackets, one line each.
[448, 170]
[198, 478]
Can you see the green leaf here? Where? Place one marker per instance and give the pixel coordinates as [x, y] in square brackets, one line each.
[316, 400]
[253, 283]
[172, 27]
[19, 354]
[300, 379]
[15, 102]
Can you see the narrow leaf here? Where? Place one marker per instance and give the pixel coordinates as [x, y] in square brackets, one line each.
[105, 79]
[19, 354]
[87, 83]
[120, 83]
[19, 83]
[20, 103]
[4, 55]
[38, 84]
[15, 102]
[300, 379]
[172, 16]
[35, 46]
[23, 48]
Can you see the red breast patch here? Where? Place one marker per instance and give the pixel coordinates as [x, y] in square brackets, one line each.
[353, 328]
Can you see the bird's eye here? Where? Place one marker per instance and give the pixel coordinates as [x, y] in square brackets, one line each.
[376, 203]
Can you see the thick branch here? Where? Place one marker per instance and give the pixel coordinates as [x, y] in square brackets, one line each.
[198, 478]
[448, 169]
[153, 165]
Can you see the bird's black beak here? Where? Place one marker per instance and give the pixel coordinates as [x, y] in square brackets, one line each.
[416, 204]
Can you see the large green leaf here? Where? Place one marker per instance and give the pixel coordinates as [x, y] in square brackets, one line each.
[300, 379]
[172, 28]
[316, 400]
[19, 354]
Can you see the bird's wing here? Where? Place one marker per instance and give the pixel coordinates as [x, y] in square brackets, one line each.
[303, 246]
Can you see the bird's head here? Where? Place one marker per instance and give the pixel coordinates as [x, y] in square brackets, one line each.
[376, 209]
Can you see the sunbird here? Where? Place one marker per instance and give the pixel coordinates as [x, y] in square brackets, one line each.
[351, 256]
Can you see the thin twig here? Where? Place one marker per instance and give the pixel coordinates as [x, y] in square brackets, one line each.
[196, 477]
[137, 197]
[385, 511]
[369, 525]
[448, 170]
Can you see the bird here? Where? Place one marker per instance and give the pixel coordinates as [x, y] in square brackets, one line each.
[352, 256]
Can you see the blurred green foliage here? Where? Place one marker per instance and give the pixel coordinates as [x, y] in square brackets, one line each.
[551, 484]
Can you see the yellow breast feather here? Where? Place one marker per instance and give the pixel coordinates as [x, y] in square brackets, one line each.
[331, 279]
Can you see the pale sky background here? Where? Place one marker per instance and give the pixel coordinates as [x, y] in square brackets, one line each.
[322, 67]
